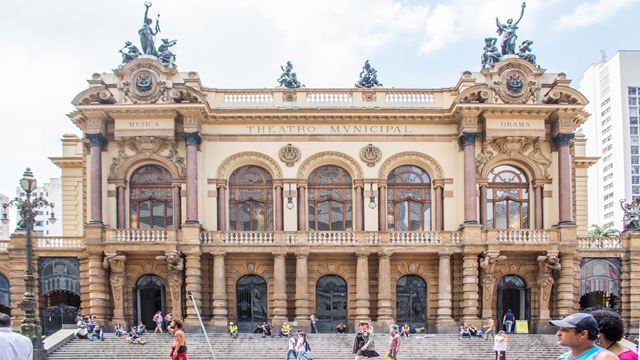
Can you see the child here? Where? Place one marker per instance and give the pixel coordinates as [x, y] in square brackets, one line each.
[500, 345]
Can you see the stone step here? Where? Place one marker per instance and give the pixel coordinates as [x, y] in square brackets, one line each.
[324, 347]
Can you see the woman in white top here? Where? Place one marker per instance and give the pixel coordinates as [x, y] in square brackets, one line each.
[500, 345]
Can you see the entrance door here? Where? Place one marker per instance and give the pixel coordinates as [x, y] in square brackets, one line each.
[59, 292]
[513, 295]
[251, 299]
[411, 301]
[149, 297]
[331, 302]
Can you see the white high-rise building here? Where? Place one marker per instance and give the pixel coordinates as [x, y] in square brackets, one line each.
[613, 89]
[4, 227]
[53, 193]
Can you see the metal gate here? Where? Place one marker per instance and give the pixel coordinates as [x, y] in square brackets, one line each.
[331, 302]
[53, 317]
[411, 301]
[251, 293]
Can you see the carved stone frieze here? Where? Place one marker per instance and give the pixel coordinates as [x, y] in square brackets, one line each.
[532, 149]
[289, 154]
[370, 154]
[511, 145]
[175, 264]
[485, 155]
[145, 147]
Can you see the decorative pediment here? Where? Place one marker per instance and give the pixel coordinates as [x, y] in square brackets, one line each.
[534, 153]
[564, 95]
[475, 94]
[185, 94]
[516, 81]
[94, 96]
[134, 150]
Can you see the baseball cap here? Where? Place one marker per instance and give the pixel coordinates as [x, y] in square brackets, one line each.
[580, 321]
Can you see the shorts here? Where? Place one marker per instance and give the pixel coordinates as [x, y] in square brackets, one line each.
[367, 353]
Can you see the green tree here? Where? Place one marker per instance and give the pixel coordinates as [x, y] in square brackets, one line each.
[605, 230]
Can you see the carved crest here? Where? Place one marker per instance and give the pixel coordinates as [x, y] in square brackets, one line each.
[533, 149]
[143, 81]
[516, 84]
[289, 155]
[512, 144]
[145, 147]
[370, 154]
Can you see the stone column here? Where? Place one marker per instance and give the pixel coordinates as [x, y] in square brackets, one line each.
[222, 206]
[488, 263]
[382, 207]
[625, 290]
[385, 301]
[362, 287]
[470, 289]
[468, 141]
[279, 289]
[445, 321]
[177, 206]
[96, 143]
[439, 218]
[566, 284]
[121, 214]
[359, 208]
[634, 285]
[302, 207]
[193, 279]
[219, 296]
[538, 193]
[483, 206]
[193, 140]
[302, 289]
[279, 225]
[118, 280]
[98, 290]
[563, 142]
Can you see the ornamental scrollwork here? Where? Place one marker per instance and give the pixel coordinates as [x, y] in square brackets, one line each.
[370, 154]
[533, 150]
[289, 155]
[145, 147]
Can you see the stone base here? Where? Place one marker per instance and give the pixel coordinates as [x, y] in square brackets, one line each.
[382, 325]
[542, 327]
[445, 327]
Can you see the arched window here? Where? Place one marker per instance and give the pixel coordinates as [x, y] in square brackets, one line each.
[5, 295]
[251, 301]
[330, 207]
[408, 199]
[151, 198]
[411, 301]
[251, 199]
[507, 198]
[331, 302]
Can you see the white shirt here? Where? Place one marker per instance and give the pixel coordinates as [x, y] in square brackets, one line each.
[14, 346]
[292, 343]
[499, 343]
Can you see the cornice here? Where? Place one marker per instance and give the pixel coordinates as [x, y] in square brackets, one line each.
[586, 161]
[68, 162]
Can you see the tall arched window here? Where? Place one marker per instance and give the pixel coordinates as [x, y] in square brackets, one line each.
[330, 207]
[507, 198]
[408, 199]
[151, 198]
[251, 199]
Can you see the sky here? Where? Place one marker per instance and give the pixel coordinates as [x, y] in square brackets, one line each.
[50, 48]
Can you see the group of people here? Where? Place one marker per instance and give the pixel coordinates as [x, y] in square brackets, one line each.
[88, 328]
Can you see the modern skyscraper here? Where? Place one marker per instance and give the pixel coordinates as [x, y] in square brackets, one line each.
[52, 192]
[613, 89]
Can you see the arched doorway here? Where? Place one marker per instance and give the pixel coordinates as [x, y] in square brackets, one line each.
[599, 284]
[148, 297]
[411, 301]
[59, 292]
[331, 302]
[513, 295]
[5, 296]
[251, 299]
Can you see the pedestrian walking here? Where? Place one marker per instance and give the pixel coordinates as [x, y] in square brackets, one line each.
[314, 321]
[158, 319]
[179, 348]
[500, 343]
[13, 346]
[507, 320]
[611, 332]
[364, 345]
[302, 347]
[579, 332]
[291, 346]
[489, 329]
[394, 344]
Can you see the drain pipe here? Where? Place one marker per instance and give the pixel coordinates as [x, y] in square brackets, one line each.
[204, 331]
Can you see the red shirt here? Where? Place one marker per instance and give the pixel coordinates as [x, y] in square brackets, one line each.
[394, 342]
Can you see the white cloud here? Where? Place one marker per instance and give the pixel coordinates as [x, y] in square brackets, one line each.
[591, 13]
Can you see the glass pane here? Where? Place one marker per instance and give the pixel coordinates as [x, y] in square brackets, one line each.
[501, 215]
[490, 224]
[144, 217]
[336, 216]
[158, 214]
[416, 216]
[402, 216]
[323, 216]
[514, 215]
[427, 217]
[525, 215]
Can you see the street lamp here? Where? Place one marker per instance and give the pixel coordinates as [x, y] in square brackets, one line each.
[26, 208]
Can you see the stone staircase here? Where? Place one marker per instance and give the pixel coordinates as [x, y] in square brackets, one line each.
[324, 347]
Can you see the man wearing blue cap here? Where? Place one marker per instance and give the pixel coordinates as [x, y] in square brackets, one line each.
[579, 332]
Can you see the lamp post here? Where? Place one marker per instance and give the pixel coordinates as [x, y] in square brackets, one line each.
[26, 208]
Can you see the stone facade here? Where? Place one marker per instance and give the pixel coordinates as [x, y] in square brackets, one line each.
[458, 260]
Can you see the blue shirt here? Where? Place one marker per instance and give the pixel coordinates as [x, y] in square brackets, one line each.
[587, 355]
[508, 316]
[14, 346]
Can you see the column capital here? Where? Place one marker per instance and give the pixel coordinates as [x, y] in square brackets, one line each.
[218, 253]
[363, 253]
[445, 253]
[468, 138]
[302, 254]
[563, 139]
[279, 254]
[96, 139]
[192, 138]
[385, 254]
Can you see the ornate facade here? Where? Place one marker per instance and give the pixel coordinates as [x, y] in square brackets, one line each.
[422, 206]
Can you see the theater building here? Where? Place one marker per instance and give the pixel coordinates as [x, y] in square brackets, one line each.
[424, 206]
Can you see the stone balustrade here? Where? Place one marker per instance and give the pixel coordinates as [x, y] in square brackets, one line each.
[4, 246]
[520, 236]
[53, 242]
[248, 98]
[248, 237]
[332, 237]
[412, 98]
[140, 235]
[415, 237]
[593, 242]
[329, 97]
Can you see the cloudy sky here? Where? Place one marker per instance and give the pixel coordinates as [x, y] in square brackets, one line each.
[50, 48]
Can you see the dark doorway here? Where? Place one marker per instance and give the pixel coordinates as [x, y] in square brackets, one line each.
[149, 297]
[599, 284]
[411, 301]
[331, 302]
[5, 296]
[513, 294]
[59, 292]
[251, 298]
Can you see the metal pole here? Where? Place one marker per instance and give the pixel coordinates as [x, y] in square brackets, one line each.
[204, 331]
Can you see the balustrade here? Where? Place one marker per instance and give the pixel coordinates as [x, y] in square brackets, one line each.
[408, 98]
[329, 97]
[332, 237]
[248, 98]
[248, 237]
[599, 243]
[415, 237]
[4, 246]
[140, 235]
[57, 242]
[518, 236]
